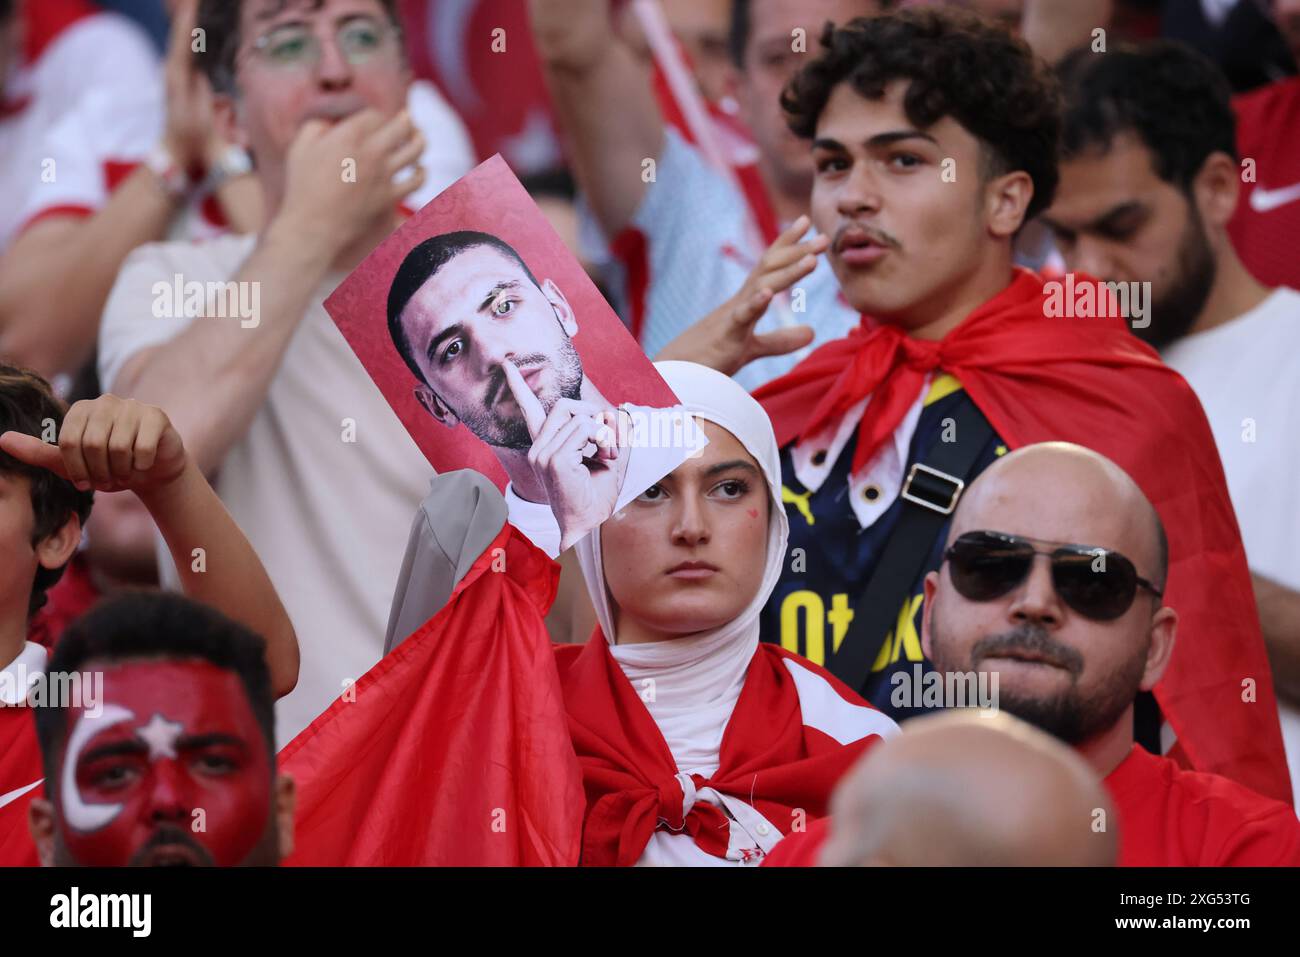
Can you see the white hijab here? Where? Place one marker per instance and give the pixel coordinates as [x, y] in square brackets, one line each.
[690, 685]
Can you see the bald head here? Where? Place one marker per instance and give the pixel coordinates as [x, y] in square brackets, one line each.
[971, 789]
[1062, 492]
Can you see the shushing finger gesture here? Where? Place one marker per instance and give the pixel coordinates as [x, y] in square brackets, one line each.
[576, 456]
[108, 445]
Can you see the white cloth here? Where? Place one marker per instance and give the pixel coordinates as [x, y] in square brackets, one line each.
[1244, 373]
[699, 254]
[649, 461]
[111, 126]
[17, 677]
[327, 516]
[698, 679]
[83, 96]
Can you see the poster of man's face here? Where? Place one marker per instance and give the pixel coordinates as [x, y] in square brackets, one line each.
[498, 354]
[464, 304]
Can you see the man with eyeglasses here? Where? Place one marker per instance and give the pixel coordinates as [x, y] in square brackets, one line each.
[308, 456]
[1053, 579]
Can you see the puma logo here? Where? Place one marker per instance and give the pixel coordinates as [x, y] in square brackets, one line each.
[798, 501]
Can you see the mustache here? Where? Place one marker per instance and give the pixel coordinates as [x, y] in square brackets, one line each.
[168, 835]
[1031, 638]
[497, 380]
[878, 236]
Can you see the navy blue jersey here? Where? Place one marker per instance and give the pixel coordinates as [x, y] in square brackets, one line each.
[812, 606]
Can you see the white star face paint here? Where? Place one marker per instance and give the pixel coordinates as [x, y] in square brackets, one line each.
[160, 734]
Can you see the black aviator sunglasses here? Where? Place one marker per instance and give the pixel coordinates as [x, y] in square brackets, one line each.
[1098, 583]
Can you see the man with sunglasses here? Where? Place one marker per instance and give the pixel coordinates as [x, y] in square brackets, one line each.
[1053, 578]
[276, 403]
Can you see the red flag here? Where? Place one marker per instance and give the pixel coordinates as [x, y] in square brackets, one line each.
[454, 748]
[796, 729]
[20, 768]
[1092, 382]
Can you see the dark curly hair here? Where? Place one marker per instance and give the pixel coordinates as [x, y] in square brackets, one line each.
[1176, 101]
[145, 624]
[957, 64]
[219, 21]
[27, 404]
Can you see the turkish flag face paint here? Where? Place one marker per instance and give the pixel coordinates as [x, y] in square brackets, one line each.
[173, 769]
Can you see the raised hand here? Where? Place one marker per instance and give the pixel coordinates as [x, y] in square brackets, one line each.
[108, 445]
[725, 339]
[575, 454]
[340, 176]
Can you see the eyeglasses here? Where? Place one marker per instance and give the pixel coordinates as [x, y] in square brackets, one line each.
[296, 46]
[1096, 582]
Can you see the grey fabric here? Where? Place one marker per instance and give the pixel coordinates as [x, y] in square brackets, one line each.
[459, 518]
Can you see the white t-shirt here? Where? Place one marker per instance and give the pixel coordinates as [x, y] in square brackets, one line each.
[653, 455]
[80, 122]
[327, 516]
[1244, 373]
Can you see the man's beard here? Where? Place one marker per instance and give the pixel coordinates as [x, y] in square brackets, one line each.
[1072, 715]
[168, 835]
[512, 432]
[1189, 287]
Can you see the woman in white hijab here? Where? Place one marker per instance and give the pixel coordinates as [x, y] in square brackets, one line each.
[741, 738]
[687, 741]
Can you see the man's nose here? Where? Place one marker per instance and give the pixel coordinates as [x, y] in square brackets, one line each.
[1094, 258]
[860, 192]
[1035, 600]
[167, 796]
[333, 71]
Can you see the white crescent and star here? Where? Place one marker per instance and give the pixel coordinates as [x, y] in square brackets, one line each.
[159, 734]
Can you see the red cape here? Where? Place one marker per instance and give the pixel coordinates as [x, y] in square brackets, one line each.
[457, 749]
[453, 749]
[20, 766]
[1092, 382]
[775, 754]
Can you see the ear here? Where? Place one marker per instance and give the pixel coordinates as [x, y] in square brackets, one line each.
[57, 549]
[930, 586]
[226, 118]
[1215, 189]
[286, 803]
[40, 824]
[435, 406]
[1006, 198]
[568, 321]
[1164, 626]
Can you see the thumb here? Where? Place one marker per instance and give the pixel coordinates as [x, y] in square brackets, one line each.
[781, 341]
[30, 450]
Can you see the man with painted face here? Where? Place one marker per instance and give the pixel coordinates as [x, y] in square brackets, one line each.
[109, 445]
[491, 348]
[1150, 180]
[934, 136]
[174, 765]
